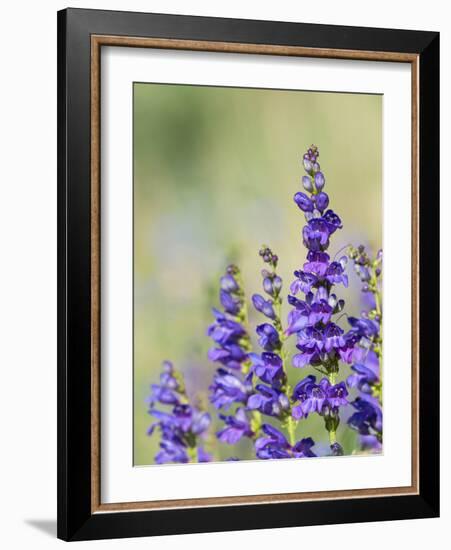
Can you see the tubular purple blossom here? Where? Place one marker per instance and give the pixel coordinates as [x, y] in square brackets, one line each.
[183, 427]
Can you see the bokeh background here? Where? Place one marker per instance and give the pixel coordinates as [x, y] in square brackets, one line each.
[215, 170]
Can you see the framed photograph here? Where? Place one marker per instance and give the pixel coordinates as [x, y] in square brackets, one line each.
[248, 274]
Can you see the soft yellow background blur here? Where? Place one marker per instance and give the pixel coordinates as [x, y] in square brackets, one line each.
[215, 173]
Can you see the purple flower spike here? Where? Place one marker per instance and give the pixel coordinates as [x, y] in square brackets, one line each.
[183, 426]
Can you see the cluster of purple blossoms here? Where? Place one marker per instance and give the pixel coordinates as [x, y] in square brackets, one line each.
[273, 444]
[322, 344]
[233, 381]
[183, 427]
[366, 370]
[248, 385]
[271, 397]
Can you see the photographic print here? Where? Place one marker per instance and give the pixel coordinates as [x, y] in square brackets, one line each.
[247, 247]
[258, 272]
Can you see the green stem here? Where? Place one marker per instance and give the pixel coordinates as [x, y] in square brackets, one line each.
[291, 428]
[192, 454]
[332, 437]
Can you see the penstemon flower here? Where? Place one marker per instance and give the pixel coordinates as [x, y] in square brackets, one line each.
[367, 367]
[233, 382]
[322, 344]
[250, 389]
[275, 445]
[272, 398]
[184, 427]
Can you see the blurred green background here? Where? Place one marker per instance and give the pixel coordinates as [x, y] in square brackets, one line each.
[215, 170]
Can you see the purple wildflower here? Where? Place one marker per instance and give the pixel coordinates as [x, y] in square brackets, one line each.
[228, 388]
[269, 337]
[366, 375]
[181, 428]
[275, 445]
[236, 427]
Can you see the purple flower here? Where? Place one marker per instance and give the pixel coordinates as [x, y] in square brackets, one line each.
[364, 328]
[332, 221]
[272, 285]
[228, 388]
[231, 356]
[336, 449]
[317, 263]
[227, 331]
[269, 368]
[307, 183]
[203, 456]
[269, 337]
[336, 395]
[316, 235]
[263, 306]
[311, 397]
[304, 203]
[333, 338]
[269, 401]
[237, 426]
[182, 427]
[335, 274]
[323, 343]
[167, 392]
[310, 344]
[230, 303]
[303, 448]
[363, 378]
[275, 445]
[171, 451]
[371, 443]
[229, 283]
[303, 283]
[367, 419]
[322, 201]
[320, 398]
[298, 318]
[320, 181]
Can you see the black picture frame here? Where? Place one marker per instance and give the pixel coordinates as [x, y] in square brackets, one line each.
[76, 520]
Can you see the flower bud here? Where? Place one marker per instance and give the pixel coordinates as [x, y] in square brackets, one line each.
[322, 201]
[307, 183]
[304, 203]
[229, 284]
[319, 181]
[268, 286]
[277, 284]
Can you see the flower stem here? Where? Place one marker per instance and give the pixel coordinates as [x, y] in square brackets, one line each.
[291, 428]
[332, 437]
[192, 454]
